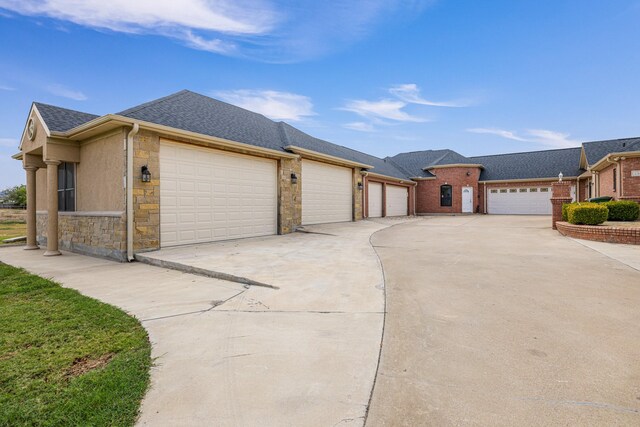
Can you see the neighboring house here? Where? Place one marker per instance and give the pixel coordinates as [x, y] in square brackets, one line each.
[188, 169]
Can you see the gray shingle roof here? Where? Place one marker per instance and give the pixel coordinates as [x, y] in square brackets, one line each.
[201, 114]
[414, 162]
[596, 150]
[60, 119]
[531, 165]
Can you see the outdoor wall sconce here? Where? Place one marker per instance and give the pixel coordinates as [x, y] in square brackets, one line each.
[294, 178]
[146, 175]
[360, 185]
[468, 173]
[560, 177]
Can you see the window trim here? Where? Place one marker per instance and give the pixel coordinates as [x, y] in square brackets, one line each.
[63, 188]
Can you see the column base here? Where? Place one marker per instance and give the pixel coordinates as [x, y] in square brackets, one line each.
[31, 247]
[52, 253]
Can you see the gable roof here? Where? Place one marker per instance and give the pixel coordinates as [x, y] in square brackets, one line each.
[596, 150]
[60, 119]
[414, 162]
[530, 165]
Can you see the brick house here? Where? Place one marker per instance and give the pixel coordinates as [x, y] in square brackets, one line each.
[188, 169]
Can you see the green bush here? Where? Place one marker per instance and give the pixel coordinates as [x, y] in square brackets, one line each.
[565, 208]
[623, 210]
[587, 213]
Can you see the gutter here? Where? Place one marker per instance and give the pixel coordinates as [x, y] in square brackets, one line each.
[130, 136]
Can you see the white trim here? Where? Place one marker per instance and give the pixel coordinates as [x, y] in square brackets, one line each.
[314, 155]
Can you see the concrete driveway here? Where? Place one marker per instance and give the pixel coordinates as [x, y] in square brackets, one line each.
[301, 354]
[497, 320]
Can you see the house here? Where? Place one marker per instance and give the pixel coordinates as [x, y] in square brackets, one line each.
[188, 169]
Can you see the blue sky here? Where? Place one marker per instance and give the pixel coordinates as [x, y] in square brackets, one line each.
[378, 76]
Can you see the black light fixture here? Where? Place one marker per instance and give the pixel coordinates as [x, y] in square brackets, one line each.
[359, 185]
[468, 173]
[146, 175]
[294, 178]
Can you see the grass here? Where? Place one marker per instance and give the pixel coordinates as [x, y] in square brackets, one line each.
[9, 229]
[66, 359]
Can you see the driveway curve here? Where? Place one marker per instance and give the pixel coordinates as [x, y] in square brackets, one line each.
[496, 320]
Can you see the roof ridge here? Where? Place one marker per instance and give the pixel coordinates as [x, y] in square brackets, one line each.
[36, 103]
[283, 133]
[144, 105]
[611, 140]
[525, 152]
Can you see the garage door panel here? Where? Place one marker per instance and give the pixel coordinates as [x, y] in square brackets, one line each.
[519, 201]
[326, 193]
[203, 194]
[374, 201]
[397, 200]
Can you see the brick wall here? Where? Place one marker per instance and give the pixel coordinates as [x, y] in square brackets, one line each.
[600, 233]
[365, 194]
[606, 182]
[428, 191]
[630, 184]
[98, 234]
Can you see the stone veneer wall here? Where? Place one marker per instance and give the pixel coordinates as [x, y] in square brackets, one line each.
[146, 195]
[357, 195]
[289, 196]
[92, 233]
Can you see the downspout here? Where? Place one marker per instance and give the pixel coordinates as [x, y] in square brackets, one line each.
[132, 133]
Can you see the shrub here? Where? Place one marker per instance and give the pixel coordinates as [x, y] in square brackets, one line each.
[565, 208]
[587, 213]
[623, 210]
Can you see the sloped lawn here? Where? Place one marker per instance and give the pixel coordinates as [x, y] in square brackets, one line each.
[66, 359]
[9, 229]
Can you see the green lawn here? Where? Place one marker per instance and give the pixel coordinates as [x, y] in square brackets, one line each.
[66, 359]
[9, 229]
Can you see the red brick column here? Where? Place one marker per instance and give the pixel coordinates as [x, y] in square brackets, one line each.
[561, 194]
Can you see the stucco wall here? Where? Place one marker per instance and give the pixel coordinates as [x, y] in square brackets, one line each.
[41, 189]
[100, 182]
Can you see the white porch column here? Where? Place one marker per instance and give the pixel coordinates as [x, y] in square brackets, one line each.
[31, 208]
[52, 208]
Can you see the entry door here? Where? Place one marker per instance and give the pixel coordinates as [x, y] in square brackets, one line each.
[375, 199]
[467, 199]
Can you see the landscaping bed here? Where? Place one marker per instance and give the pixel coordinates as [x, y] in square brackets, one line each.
[66, 359]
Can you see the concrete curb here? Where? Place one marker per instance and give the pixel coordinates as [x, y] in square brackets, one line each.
[201, 271]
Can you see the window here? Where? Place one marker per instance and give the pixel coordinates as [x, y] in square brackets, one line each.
[445, 195]
[494, 191]
[504, 190]
[533, 190]
[523, 190]
[544, 190]
[615, 174]
[513, 190]
[66, 187]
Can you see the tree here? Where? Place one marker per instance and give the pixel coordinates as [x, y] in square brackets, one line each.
[16, 195]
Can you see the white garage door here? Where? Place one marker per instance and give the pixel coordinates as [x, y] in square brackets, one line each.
[375, 199]
[519, 201]
[208, 195]
[397, 200]
[326, 193]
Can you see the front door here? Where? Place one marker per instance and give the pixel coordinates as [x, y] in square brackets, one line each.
[467, 199]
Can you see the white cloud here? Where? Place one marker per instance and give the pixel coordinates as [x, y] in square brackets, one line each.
[500, 132]
[268, 30]
[65, 92]
[545, 137]
[273, 104]
[388, 109]
[411, 93]
[359, 126]
[9, 143]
